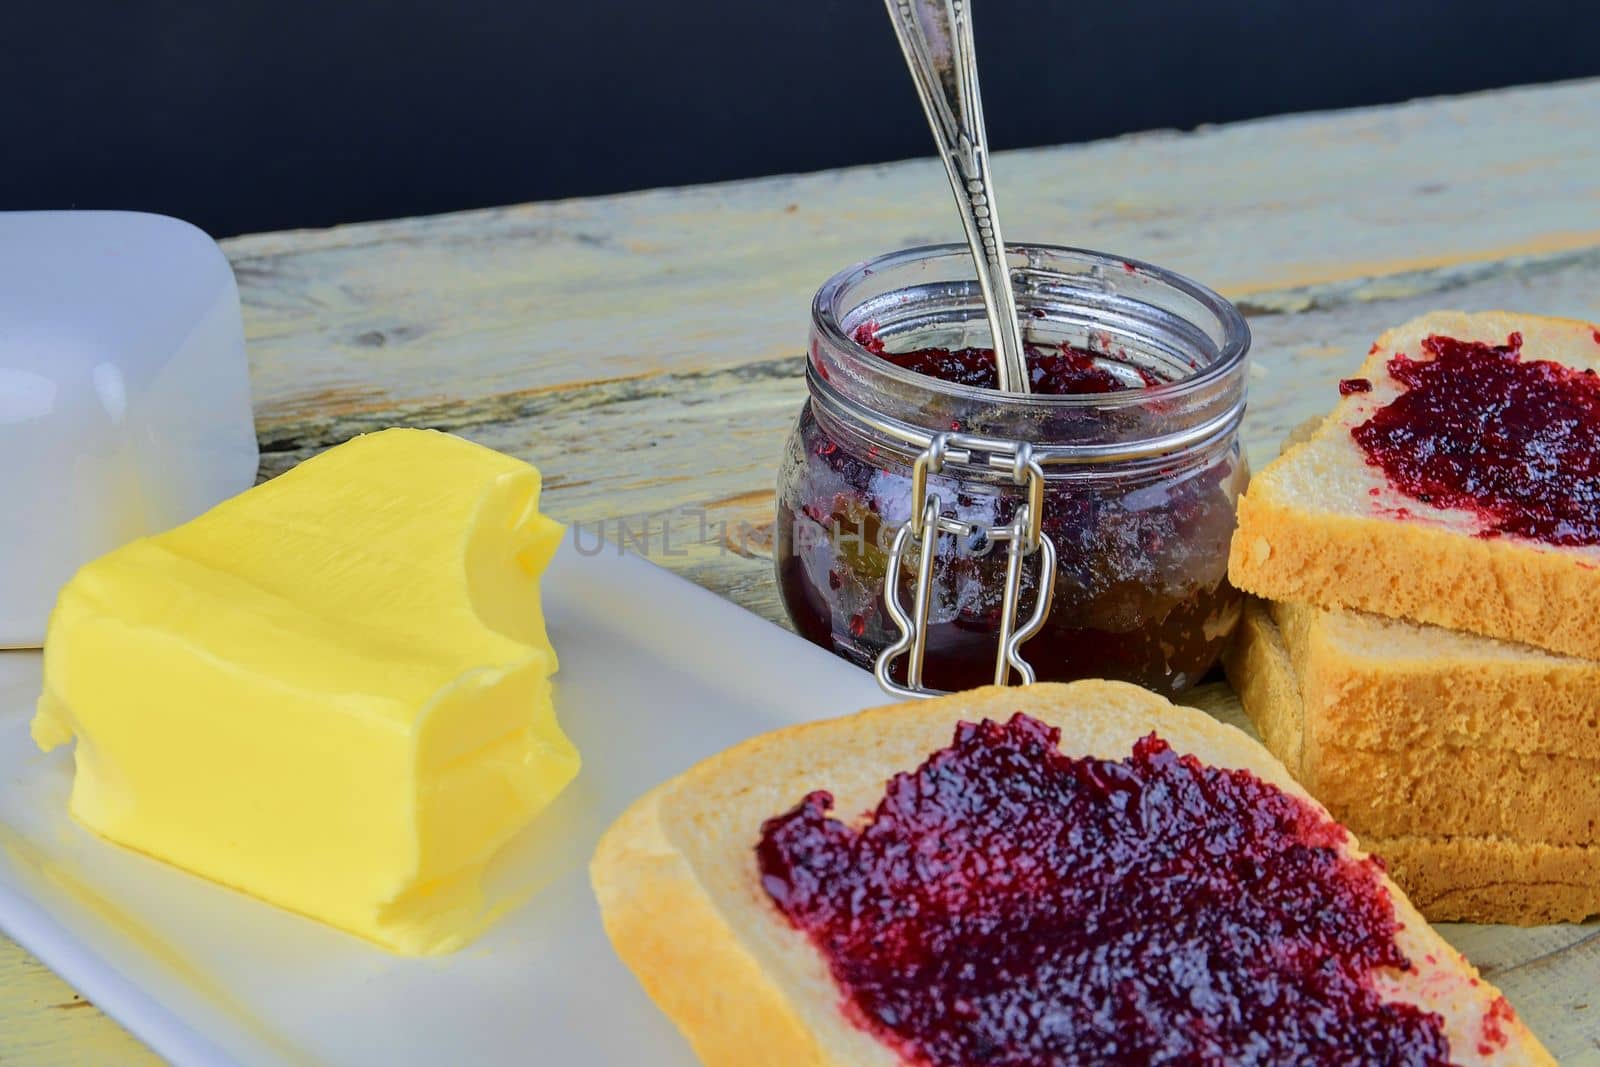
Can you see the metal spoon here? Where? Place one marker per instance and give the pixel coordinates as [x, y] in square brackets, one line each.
[936, 37]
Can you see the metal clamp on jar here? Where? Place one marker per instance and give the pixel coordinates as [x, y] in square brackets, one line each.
[1023, 536]
[1114, 507]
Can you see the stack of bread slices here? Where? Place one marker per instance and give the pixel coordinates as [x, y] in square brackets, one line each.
[1432, 679]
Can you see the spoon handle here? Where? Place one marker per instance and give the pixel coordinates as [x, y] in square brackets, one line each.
[936, 37]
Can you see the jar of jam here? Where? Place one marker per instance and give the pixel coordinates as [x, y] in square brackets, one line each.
[949, 535]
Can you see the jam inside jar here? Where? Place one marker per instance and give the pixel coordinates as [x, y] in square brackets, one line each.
[1140, 482]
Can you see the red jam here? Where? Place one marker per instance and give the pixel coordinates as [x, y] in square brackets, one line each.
[1054, 370]
[1355, 385]
[1012, 906]
[1497, 1021]
[1479, 428]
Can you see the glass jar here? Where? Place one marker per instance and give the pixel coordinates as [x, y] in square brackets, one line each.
[1136, 487]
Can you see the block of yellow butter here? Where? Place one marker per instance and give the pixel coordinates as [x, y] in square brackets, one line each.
[331, 691]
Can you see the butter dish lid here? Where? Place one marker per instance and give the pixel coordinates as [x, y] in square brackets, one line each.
[124, 393]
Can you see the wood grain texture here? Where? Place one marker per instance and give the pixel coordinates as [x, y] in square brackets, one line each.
[641, 349]
[684, 461]
[382, 317]
[42, 1021]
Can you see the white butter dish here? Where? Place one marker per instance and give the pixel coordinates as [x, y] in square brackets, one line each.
[124, 393]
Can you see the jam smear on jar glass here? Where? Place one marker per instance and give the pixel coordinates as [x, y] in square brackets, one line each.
[1009, 905]
[1480, 428]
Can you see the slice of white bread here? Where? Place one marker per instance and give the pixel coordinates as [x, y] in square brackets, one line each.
[1374, 683]
[1412, 729]
[681, 897]
[1492, 880]
[1320, 525]
[1523, 877]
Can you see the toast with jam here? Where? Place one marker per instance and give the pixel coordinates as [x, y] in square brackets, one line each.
[1456, 483]
[1056, 874]
[1471, 765]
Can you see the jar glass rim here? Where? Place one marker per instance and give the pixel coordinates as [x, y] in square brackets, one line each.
[1233, 344]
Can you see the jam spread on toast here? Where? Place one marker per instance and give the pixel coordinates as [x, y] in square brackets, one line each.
[1495, 1028]
[1053, 370]
[1480, 428]
[1009, 905]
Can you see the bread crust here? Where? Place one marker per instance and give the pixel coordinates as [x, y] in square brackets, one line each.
[1369, 547]
[1471, 835]
[1459, 792]
[680, 895]
[1382, 684]
[1411, 729]
[673, 938]
[1492, 880]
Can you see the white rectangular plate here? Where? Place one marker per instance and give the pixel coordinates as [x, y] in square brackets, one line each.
[656, 674]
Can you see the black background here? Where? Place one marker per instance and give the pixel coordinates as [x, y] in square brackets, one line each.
[245, 115]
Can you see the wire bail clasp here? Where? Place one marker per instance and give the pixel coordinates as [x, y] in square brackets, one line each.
[1024, 536]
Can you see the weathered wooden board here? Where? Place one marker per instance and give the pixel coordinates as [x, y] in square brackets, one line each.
[42, 1021]
[380, 317]
[641, 349]
[685, 460]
